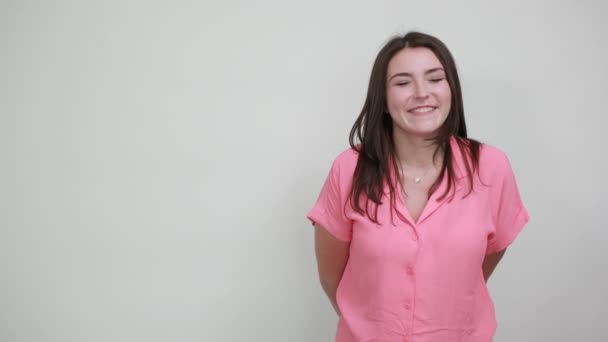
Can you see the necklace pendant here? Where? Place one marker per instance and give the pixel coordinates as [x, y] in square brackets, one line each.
[417, 180]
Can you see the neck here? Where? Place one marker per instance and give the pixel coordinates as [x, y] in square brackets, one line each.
[416, 152]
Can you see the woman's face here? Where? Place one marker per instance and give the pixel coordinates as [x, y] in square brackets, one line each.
[418, 95]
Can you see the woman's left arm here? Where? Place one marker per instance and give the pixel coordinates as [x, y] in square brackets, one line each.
[490, 262]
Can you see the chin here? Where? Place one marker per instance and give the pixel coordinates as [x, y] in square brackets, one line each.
[424, 132]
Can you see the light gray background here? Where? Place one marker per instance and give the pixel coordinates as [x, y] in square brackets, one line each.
[158, 160]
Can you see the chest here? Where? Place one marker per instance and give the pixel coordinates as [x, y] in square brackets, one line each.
[415, 200]
[415, 195]
[455, 230]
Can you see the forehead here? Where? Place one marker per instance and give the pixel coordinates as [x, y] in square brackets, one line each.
[413, 60]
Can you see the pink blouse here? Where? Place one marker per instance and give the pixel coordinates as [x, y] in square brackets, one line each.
[422, 281]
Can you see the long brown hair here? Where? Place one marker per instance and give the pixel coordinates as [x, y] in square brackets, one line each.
[372, 132]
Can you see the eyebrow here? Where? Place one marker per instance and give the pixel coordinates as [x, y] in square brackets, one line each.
[410, 75]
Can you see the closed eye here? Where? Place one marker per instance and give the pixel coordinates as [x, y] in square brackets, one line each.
[435, 80]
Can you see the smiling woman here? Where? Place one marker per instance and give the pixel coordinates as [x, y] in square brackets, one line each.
[418, 95]
[415, 216]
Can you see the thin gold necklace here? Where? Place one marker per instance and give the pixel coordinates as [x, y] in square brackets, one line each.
[419, 179]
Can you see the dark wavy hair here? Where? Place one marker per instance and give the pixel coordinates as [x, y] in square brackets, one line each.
[372, 133]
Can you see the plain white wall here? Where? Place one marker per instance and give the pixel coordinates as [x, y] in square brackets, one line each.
[158, 160]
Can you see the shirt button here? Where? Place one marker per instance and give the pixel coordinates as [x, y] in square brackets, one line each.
[409, 270]
[407, 306]
[414, 238]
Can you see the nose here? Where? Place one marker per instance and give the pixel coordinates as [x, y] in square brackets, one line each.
[420, 90]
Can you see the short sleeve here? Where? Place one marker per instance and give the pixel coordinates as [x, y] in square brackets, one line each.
[508, 211]
[329, 210]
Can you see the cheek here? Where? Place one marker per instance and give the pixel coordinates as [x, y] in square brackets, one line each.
[396, 98]
[446, 95]
[447, 103]
[448, 99]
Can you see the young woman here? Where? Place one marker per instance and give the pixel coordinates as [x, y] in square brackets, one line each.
[415, 216]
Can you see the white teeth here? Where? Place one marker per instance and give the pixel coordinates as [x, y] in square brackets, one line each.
[423, 110]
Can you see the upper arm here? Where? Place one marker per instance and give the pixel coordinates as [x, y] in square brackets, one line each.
[490, 262]
[333, 227]
[329, 210]
[332, 254]
[508, 211]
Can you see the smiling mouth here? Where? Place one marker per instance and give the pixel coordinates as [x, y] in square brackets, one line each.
[425, 109]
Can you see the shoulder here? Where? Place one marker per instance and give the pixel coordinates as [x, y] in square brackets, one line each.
[493, 162]
[348, 156]
[345, 162]
[491, 155]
